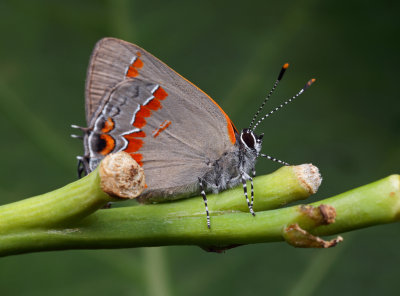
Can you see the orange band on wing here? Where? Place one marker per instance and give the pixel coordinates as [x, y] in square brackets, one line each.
[138, 157]
[109, 144]
[134, 144]
[153, 104]
[140, 116]
[108, 125]
[140, 134]
[160, 93]
[133, 69]
[138, 63]
[132, 72]
[162, 127]
[145, 110]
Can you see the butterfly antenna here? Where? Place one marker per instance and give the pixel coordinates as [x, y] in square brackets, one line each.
[308, 84]
[284, 67]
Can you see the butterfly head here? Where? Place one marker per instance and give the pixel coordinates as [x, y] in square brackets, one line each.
[251, 141]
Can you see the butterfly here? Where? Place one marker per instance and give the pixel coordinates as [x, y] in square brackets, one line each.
[181, 137]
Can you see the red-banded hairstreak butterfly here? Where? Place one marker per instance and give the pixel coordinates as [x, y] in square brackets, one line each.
[184, 141]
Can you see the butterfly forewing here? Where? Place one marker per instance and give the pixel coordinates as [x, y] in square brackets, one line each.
[173, 129]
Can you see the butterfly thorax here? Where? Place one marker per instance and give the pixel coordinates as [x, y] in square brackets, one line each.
[226, 172]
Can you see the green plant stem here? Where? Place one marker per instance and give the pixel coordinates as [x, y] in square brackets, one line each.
[184, 222]
[371, 204]
[61, 206]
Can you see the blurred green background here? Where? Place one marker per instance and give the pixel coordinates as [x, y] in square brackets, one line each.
[347, 124]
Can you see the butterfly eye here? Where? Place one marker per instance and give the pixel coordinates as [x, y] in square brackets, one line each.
[248, 139]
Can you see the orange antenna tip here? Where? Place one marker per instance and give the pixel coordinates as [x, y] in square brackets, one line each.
[284, 67]
[309, 83]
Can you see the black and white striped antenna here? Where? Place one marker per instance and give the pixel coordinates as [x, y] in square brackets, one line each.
[284, 67]
[308, 84]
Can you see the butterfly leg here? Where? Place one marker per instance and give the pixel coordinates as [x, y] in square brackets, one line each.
[203, 194]
[273, 159]
[81, 167]
[252, 187]
[83, 161]
[244, 178]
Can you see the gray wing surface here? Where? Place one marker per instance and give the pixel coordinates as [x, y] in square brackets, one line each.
[198, 132]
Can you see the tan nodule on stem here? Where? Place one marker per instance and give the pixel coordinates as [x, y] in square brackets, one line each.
[309, 177]
[121, 176]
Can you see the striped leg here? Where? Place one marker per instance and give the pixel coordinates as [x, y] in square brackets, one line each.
[83, 165]
[245, 192]
[252, 187]
[203, 194]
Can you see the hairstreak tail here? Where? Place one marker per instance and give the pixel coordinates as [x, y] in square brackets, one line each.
[181, 137]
